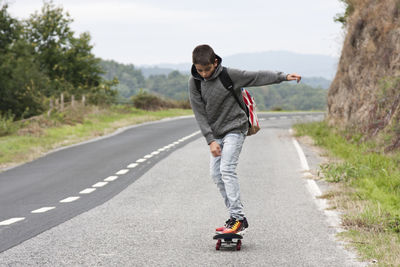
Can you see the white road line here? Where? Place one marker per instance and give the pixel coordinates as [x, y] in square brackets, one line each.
[182, 139]
[132, 165]
[332, 216]
[87, 191]
[148, 156]
[111, 178]
[11, 221]
[272, 118]
[69, 199]
[141, 160]
[161, 149]
[175, 143]
[100, 184]
[155, 153]
[283, 117]
[123, 171]
[42, 210]
[303, 160]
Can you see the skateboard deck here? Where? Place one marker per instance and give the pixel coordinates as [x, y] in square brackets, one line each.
[228, 240]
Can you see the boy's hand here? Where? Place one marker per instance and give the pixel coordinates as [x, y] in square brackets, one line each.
[215, 149]
[292, 77]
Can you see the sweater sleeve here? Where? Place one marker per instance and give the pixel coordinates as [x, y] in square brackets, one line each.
[199, 109]
[242, 78]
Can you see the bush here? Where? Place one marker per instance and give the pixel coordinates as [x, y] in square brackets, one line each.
[7, 125]
[276, 109]
[148, 101]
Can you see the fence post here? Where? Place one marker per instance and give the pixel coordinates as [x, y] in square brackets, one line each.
[83, 99]
[62, 102]
[72, 101]
[51, 107]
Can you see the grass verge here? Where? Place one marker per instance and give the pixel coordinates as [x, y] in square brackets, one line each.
[366, 190]
[35, 137]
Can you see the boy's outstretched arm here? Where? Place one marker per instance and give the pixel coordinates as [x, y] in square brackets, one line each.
[292, 77]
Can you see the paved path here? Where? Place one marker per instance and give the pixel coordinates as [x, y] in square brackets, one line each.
[167, 217]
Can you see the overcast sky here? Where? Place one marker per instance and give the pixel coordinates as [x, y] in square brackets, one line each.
[166, 31]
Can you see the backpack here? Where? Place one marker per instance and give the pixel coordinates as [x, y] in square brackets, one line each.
[248, 100]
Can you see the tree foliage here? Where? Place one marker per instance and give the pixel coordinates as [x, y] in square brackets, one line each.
[130, 79]
[349, 9]
[41, 58]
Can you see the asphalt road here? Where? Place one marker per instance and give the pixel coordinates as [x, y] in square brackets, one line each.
[168, 216]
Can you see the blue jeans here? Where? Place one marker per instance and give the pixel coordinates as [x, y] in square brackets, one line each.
[223, 172]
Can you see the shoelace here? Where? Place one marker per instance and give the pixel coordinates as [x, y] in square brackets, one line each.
[235, 226]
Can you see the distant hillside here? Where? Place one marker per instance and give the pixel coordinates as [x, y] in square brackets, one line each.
[308, 65]
[288, 95]
[148, 71]
[316, 82]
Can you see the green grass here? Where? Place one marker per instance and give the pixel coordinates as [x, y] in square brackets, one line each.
[35, 138]
[370, 193]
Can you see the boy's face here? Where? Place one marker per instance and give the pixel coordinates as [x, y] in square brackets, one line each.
[206, 71]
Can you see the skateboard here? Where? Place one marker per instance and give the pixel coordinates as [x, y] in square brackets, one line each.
[228, 240]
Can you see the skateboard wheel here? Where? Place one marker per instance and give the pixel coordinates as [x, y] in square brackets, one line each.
[218, 245]
[239, 245]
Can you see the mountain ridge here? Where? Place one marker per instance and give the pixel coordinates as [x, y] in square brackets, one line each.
[308, 65]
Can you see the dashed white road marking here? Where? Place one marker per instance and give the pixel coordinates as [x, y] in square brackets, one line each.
[11, 221]
[100, 184]
[87, 191]
[123, 171]
[111, 178]
[106, 180]
[272, 118]
[69, 199]
[284, 117]
[42, 210]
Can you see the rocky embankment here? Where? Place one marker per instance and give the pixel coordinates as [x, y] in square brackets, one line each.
[365, 94]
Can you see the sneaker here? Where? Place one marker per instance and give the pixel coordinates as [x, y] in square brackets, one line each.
[236, 227]
[245, 223]
[227, 223]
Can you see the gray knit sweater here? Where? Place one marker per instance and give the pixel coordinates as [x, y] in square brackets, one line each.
[216, 110]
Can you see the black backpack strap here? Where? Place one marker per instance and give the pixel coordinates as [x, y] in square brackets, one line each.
[226, 79]
[228, 84]
[198, 85]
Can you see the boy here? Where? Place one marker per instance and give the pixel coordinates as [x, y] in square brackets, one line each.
[224, 124]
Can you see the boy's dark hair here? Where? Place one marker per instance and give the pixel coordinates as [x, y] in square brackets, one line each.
[203, 55]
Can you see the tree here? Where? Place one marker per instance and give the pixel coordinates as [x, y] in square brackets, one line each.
[67, 61]
[50, 35]
[20, 77]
